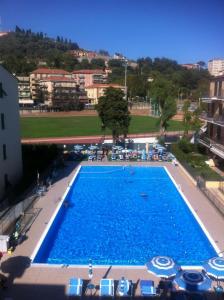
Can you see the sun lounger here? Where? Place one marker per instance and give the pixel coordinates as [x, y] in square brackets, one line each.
[147, 288]
[106, 288]
[75, 287]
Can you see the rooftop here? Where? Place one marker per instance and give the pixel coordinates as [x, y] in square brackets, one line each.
[49, 71]
[88, 71]
[102, 85]
[58, 78]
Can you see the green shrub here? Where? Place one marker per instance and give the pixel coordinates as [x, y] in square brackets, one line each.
[185, 145]
[194, 161]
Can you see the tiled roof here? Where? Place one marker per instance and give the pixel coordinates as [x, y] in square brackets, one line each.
[105, 86]
[49, 71]
[96, 71]
[58, 78]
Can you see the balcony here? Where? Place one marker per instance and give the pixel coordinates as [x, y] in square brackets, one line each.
[217, 119]
[213, 146]
[211, 99]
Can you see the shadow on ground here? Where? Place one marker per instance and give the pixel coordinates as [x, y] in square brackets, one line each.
[58, 292]
[14, 267]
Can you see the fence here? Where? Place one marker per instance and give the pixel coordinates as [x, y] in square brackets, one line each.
[14, 212]
[214, 199]
[221, 187]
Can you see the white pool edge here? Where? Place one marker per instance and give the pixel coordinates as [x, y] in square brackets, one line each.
[216, 248]
[36, 249]
[116, 266]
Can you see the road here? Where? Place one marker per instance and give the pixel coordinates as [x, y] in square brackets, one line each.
[91, 139]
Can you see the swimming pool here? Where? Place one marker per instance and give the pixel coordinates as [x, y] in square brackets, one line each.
[119, 215]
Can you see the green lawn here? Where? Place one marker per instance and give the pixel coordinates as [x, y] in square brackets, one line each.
[36, 127]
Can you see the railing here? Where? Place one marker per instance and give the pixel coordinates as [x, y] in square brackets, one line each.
[217, 119]
[204, 140]
[15, 212]
[221, 187]
[8, 215]
[212, 144]
[214, 199]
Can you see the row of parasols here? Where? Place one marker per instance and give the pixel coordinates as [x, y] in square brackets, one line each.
[190, 280]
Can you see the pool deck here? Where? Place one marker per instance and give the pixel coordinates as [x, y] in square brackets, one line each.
[37, 282]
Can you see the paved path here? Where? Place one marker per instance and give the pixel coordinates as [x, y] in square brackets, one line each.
[91, 139]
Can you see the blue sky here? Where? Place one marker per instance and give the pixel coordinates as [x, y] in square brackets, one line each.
[184, 30]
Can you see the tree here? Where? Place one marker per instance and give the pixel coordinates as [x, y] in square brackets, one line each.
[187, 117]
[98, 63]
[164, 92]
[113, 111]
[201, 64]
[104, 52]
[136, 86]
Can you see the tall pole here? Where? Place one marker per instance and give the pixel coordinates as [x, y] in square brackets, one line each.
[150, 79]
[125, 78]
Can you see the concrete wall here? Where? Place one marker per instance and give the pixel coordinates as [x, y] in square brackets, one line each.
[212, 184]
[11, 166]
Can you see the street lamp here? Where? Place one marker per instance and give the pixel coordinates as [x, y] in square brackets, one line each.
[150, 79]
[125, 78]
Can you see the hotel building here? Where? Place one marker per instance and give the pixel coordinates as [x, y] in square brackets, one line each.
[213, 137]
[216, 67]
[10, 146]
[95, 91]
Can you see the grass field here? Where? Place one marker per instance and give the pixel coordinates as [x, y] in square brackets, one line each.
[37, 127]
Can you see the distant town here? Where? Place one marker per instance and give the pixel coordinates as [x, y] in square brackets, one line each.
[58, 88]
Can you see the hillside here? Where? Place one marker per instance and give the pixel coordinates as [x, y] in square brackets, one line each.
[22, 50]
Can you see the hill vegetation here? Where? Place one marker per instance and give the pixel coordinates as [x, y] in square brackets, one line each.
[22, 51]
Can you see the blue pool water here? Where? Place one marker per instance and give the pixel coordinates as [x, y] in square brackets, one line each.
[118, 215]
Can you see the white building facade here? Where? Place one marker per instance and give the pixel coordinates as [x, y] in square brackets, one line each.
[10, 144]
[216, 67]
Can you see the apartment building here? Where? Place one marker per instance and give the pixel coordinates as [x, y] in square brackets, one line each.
[213, 137]
[191, 66]
[86, 78]
[24, 91]
[60, 92]
[95, 91]
[216, 67]
[10, 146]
[3, 33]
[40, 74]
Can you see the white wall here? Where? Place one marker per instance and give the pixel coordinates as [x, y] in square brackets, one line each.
[10, 136]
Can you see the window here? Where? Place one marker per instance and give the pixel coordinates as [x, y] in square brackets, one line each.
[218, 133]
[4, 151]
[2, 121]
[2, 92]
[219, 89]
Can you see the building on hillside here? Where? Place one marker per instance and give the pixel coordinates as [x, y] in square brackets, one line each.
[3, 33]
[83, 54]
[40, 74]
[118, 56]
[216, 67]
[191, 66]
[212, 135]
[10, 145]
[95, 91]
[88, 77]
[24, 91]
[133, 64]
[61, 93]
